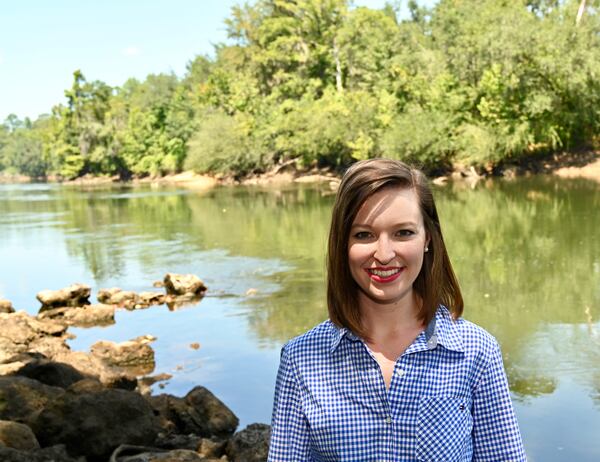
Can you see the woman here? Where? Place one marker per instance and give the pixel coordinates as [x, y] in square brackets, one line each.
[395, 374]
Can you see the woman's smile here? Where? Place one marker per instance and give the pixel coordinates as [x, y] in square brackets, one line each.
[384, 274]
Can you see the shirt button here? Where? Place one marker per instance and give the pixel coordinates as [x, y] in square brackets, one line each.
[400, 372]
[388, 420]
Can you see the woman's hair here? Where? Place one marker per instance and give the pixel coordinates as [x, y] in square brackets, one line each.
[436, 283]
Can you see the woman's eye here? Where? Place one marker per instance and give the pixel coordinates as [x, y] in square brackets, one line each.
[405, 232]
[362, 235]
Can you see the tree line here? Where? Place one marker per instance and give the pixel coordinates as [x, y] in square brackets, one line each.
[321, 82]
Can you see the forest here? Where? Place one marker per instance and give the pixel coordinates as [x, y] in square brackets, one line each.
[324, 83]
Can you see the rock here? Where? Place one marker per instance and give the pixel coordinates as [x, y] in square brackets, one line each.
[86, 386]
[21, 333]
[250, 445]
[6, 306]
[52, 454]
[74, 295]
[200, 413]
[94, 367]
[18, 436]
[145, 383]
[211, 448]
[136, 353]
[177, 441]
[50, 372]
[150, 298]
[129, 453]
[21, 398]
[90, 315]
[158, 284]
[183, 284]
[94, 424]
[116, 296]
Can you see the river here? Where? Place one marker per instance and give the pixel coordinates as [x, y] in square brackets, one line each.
[526, 252]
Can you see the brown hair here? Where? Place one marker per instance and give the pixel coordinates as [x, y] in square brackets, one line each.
[436, 283]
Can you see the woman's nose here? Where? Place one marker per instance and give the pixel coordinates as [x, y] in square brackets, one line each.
[384, 250]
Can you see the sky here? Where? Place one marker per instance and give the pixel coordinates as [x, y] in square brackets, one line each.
[42, 42]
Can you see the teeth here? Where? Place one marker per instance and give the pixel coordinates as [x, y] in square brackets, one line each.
[384, 274]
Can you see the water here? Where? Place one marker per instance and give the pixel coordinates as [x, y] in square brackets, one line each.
[527, 254]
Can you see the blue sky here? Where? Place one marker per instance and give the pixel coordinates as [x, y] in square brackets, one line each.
[43, 41]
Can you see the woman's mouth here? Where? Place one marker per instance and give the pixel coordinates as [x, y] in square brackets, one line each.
[384, 274]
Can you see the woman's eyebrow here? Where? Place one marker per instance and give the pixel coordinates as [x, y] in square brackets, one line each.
[402, 223]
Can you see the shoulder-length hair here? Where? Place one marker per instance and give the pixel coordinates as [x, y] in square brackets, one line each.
[436, 283]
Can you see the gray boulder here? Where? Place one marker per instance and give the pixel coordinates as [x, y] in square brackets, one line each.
[250, 445]
[21, 398]
[127, 453]
[50, 372]
[18, 436]
[52, 454]
[199, 412]
[94, 424]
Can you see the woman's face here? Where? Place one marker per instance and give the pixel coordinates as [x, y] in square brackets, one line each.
[386, 245]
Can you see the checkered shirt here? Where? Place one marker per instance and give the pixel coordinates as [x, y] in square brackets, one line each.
[448, 399]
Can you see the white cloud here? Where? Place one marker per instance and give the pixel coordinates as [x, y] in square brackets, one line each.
[131, 51]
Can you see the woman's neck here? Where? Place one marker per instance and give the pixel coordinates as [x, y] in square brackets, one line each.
[382, 320]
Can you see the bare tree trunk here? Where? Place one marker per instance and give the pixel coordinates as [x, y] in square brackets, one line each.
[338, 67]
[580, 12]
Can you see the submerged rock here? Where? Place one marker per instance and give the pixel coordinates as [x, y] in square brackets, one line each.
[74, 295]
[183, 284]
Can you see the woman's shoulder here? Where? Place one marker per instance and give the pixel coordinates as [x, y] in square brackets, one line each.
[471, 336]
[315, 341]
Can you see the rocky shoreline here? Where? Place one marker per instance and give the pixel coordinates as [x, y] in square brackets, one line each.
[563, 164]
[70, 406]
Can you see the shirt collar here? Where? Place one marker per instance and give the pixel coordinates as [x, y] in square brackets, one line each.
[441, 330]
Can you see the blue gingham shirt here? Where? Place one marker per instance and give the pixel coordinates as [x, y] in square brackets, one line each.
[448, 399]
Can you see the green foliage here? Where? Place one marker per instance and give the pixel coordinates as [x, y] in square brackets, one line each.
[221, 145]
[321, 82]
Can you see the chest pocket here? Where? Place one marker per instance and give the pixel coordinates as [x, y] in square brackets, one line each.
[443, 429]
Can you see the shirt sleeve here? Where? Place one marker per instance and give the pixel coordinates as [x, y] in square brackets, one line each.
[496, 435]
[289, 427]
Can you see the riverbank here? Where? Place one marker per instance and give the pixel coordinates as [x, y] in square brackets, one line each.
[565, 165]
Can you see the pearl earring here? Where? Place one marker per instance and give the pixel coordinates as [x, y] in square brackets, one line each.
[426, 249]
